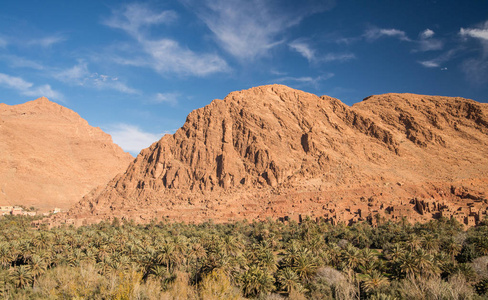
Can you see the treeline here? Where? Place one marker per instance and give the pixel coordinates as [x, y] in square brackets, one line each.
[265, 260]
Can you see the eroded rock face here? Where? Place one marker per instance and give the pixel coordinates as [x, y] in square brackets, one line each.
[50, 157]
[273, 151]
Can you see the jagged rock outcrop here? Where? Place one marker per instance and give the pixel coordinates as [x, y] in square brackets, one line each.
[50, 157]
[273, 151]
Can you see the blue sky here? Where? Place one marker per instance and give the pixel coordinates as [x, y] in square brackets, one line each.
[136, 69]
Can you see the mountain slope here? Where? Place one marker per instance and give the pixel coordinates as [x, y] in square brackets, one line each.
[273, 151]
[50, 157]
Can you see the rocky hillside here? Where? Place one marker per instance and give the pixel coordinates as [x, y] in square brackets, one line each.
[50, 156]
[273, 151]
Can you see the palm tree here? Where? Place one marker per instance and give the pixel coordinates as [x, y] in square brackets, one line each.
[424, 262]
[256, 282]
[289, 280]
[351, 257]
[168, 256]
[305, 265]
[6, 255]
[373, 281]
[266, 260]
[430, 243]
[37, 266]
[396, 253]
[232, 245]
[408, 264]
[159, 272]
[21, 276]
[413, 242]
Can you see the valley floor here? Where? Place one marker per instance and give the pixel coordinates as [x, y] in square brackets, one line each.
[264, 260]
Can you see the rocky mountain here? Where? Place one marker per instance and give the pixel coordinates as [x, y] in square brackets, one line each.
[50, 157]
[273, 151]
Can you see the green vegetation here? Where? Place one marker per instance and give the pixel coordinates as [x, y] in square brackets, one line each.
[265, 260]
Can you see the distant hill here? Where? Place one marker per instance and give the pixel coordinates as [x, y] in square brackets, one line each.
[50, 156]
[273, 151]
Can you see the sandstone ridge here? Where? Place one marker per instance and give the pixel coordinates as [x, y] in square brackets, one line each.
[51, 157]
[273, 151]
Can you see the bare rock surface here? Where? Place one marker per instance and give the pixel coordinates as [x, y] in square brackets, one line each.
[50, 157]
[273, 151]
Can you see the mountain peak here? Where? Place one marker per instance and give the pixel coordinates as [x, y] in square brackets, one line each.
[273, 151]
[51, 156]
[42, 99]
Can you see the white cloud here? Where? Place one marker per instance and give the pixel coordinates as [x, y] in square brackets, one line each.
[304, 49]
[163, 55]
[80, 75]
[439, 60]
[310, 54]
[277, 73]
[426, 34]
[338, 57]
[15, 61]
[348, 40]
[476, 68]
[429, 63]
[28, 89]
[44, 90]
[248, 29]
[3, 42]
[169, 57]
[169, 98]
[131, 138]
[430, 45]
[376, 33]
[479, 33]
[46, 42]
[426, 42]
[476, 71]
[74, 75]
[133, 17]
[306, 80]
[16, 83]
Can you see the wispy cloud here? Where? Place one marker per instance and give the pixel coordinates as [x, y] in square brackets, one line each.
[165, 55]
[135, 17]
[304, 49]
[311, 55]
[168, 98]
[13, 82]
[169, 57]
[476, 71]
[478, 33]
[15, 61]
[3, 42]
[426, 34]
[476, 68]
[430, 45]
[44, 90]
[439, 60]
[337, 57]
[249, 29]
[80, 75]
[131, 138]
[74, 75]
[45, 42]
[303, 81]
[427, 42]
[376, 33]
[29, 89]
[430, 63]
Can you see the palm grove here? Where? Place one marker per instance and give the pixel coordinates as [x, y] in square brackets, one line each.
[265, 260]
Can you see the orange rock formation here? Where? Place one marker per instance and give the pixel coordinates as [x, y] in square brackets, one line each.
[50, 157]
[273, 151]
